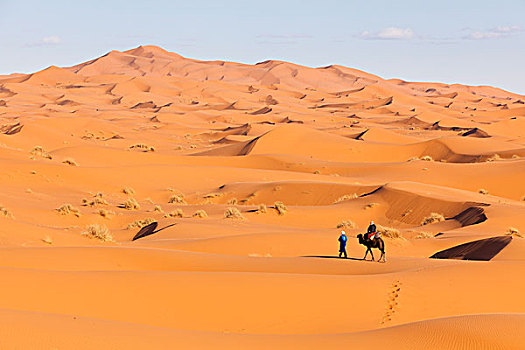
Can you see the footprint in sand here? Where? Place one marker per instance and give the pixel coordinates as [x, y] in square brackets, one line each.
[392, 303]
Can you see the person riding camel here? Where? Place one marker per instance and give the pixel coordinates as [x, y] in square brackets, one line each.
[372, 231]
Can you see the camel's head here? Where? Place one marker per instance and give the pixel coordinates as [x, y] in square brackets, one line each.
[359, 236]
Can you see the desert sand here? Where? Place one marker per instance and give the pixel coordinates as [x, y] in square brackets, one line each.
[146, 135]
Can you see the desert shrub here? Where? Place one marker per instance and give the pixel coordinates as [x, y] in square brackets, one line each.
[389, 232]
[427, 158]
[142, 147]
[433, 218]
[483, 191]
[512, 231]
[407, 212]
[346, 224]
[128, 191]
[523, 199]
[106, 213]
[47, 240]
[6, 213]
[494, 158]
[213, 195]
[40, 151]
[261, 209]
[424, 235]
[66, 209]
[200, 214]
[346, 197]
[158, 209]
[131, 204]
[70, 161]
[177, 213]
[371, 205]
[232, 201]
[96, 200]
[280, 207]
[140, 223]
[177, 199]
[233, 213]
[99, 232]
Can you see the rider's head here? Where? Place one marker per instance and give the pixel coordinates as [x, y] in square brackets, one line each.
[343, 232]
[371, 222]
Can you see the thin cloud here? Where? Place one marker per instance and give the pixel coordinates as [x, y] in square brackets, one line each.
[494, 33]
[389, 33]
[51, 40]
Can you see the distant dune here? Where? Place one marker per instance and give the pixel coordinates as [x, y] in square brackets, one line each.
[259, 167]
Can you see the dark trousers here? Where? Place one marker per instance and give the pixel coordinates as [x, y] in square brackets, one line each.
[342, 251]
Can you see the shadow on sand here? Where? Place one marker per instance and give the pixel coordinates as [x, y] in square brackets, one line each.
[329, 257]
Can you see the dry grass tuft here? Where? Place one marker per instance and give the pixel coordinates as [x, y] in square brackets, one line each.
[99, 232]
[128, 191]
[371, 205]
[512, 231]
[200, 214]
[213, 195]
[40, 151]
[158, 209]
[346, 224]
[142, 147]
[47, 240]
[96, 200]
[106, 213]
[280, 207]
[140, 223]
[177, 199]
[494, 158]
[407, 212]
[389, 232]
[66, 209]
[177, 213]
[424, 235]
[6, 213]
[346, 197]
[70, 161]
[433, 218]
[233, 213]
[232, 201]
[483, 191]
[261, 209]
[131, 204]
[427, 158]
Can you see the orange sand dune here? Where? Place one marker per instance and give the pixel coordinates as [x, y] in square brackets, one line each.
[251, 172]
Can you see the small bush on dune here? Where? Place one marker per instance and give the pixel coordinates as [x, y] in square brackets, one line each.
[99, 232]
[131, 204]
[96, 200]
[128, 191]
[424, 235]
[40, 151]
[233, 213]
[261, 209]
[140, 223]
[512, 231]
[433, 218]
[280, 207]
[200, 214]
[346, 197]
[47, 240]
[6, 213]
[66, 209]
[142, 147]
[70, 161]
[389, 232]
[232, 201]
[158, 209]
[483, 191]
[177, 199]
[427, 158]
[494, 158]
[346, 224]
[106, 213]
[371, 205]
[177, 213]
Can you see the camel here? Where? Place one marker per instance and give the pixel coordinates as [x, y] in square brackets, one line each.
[373, 243]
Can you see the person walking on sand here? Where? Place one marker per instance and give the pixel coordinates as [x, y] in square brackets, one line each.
[342, 244]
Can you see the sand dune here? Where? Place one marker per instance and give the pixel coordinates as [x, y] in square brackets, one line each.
[257, 168]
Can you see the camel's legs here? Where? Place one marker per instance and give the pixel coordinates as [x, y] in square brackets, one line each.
[372, 255]
[366, 253]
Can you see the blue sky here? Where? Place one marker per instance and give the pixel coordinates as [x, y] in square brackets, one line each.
[464, 41]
